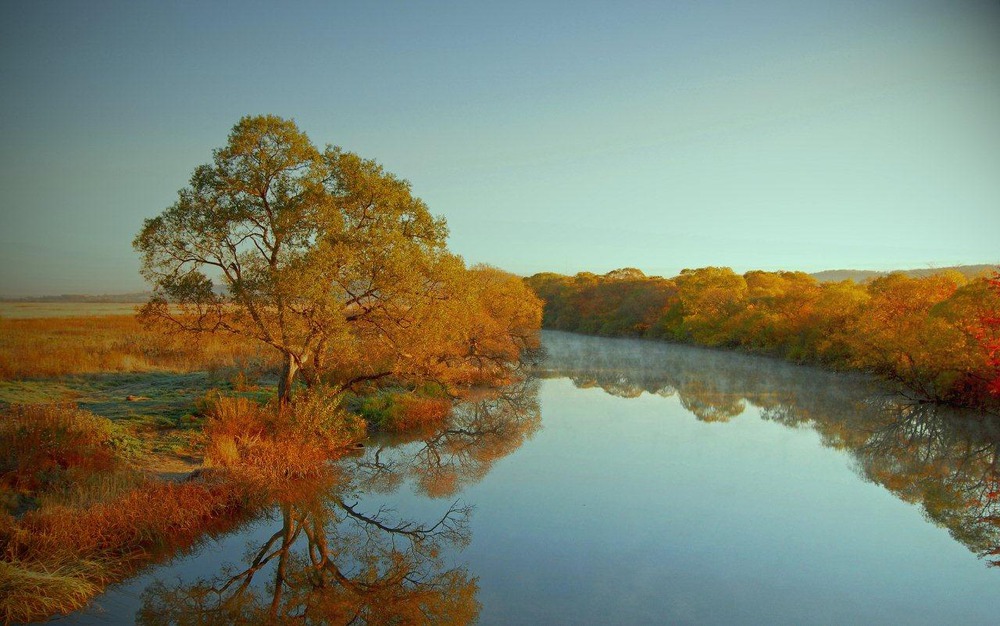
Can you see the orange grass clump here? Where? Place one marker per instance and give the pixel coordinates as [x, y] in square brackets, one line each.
[405, 411]
[99, 520]
[45, 446]
[49, 347]
[147, 520]
[411, 412]
[270, 443]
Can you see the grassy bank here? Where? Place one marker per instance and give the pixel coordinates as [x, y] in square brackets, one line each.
[78, 511]
[120, 447]
[80, 508]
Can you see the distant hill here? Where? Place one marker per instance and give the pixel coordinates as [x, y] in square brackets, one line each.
[861, 276]
[115, 298]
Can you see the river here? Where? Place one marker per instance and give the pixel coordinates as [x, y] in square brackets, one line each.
[627, 482]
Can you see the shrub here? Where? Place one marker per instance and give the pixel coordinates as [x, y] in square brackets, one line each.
[267, 443]
[48, 446]
[415, 412]
[399, 411]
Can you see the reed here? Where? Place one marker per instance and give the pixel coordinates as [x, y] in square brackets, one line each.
[50, 347]
[33, 590]
[54, 559]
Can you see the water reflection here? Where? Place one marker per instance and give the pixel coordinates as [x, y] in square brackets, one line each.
[446, 460]
[945, 461]
[353, 567]
[339, 553]
[335, 560]
[942, 459]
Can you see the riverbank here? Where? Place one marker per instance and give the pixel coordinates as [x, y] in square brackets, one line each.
[936, 336]
[121, 447]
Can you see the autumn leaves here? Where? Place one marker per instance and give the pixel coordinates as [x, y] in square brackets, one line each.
[936, 335]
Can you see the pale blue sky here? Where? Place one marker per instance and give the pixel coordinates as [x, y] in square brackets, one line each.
[552, 136]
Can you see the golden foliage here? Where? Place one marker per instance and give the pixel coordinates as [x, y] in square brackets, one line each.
[332, 262]
[927, 333]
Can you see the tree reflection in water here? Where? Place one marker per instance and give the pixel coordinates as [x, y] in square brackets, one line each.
[333, 561]
[942, 459]
[460, 453]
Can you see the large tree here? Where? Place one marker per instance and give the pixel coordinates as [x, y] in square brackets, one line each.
[322, 255]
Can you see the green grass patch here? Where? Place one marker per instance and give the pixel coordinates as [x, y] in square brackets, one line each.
[157, 399]
[155, 413]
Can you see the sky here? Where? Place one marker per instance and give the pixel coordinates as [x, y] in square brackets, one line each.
[552, 136]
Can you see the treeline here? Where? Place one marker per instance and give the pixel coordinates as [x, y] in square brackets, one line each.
[939, 335]
[945, 461]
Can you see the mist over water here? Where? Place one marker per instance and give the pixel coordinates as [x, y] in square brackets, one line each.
[637, 482]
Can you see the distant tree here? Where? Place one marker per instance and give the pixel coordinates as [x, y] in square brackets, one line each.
[779, 306]
[322, 255]
[897, 336]
[976, 308]
[827, 335]
[556, 290]
[625, 273]
[991, 321]
[936, 333]
[712, 297]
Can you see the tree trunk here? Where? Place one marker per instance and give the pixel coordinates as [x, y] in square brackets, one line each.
[287, 378]
[286, 545]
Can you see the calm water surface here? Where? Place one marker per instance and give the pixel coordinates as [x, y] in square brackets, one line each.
[629, 483]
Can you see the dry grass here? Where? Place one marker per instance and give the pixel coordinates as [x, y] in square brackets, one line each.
[36, 590]
[93, 489]
[54, 560]
[266, 444]
[49, 347]
[76, 513]
[26, 310]
[46, 447]
[96, 519]
[417, 413]
[150, 519]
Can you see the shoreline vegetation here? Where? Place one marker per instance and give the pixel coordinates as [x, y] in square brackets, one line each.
[172, 465]
[123, 446]
[180, 441]
[341, 311]
[936, 337]
[304, 298]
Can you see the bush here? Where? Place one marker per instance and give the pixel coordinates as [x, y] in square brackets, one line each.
[269, 442]
[399, 411]
[44, 447]
[418, 412]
